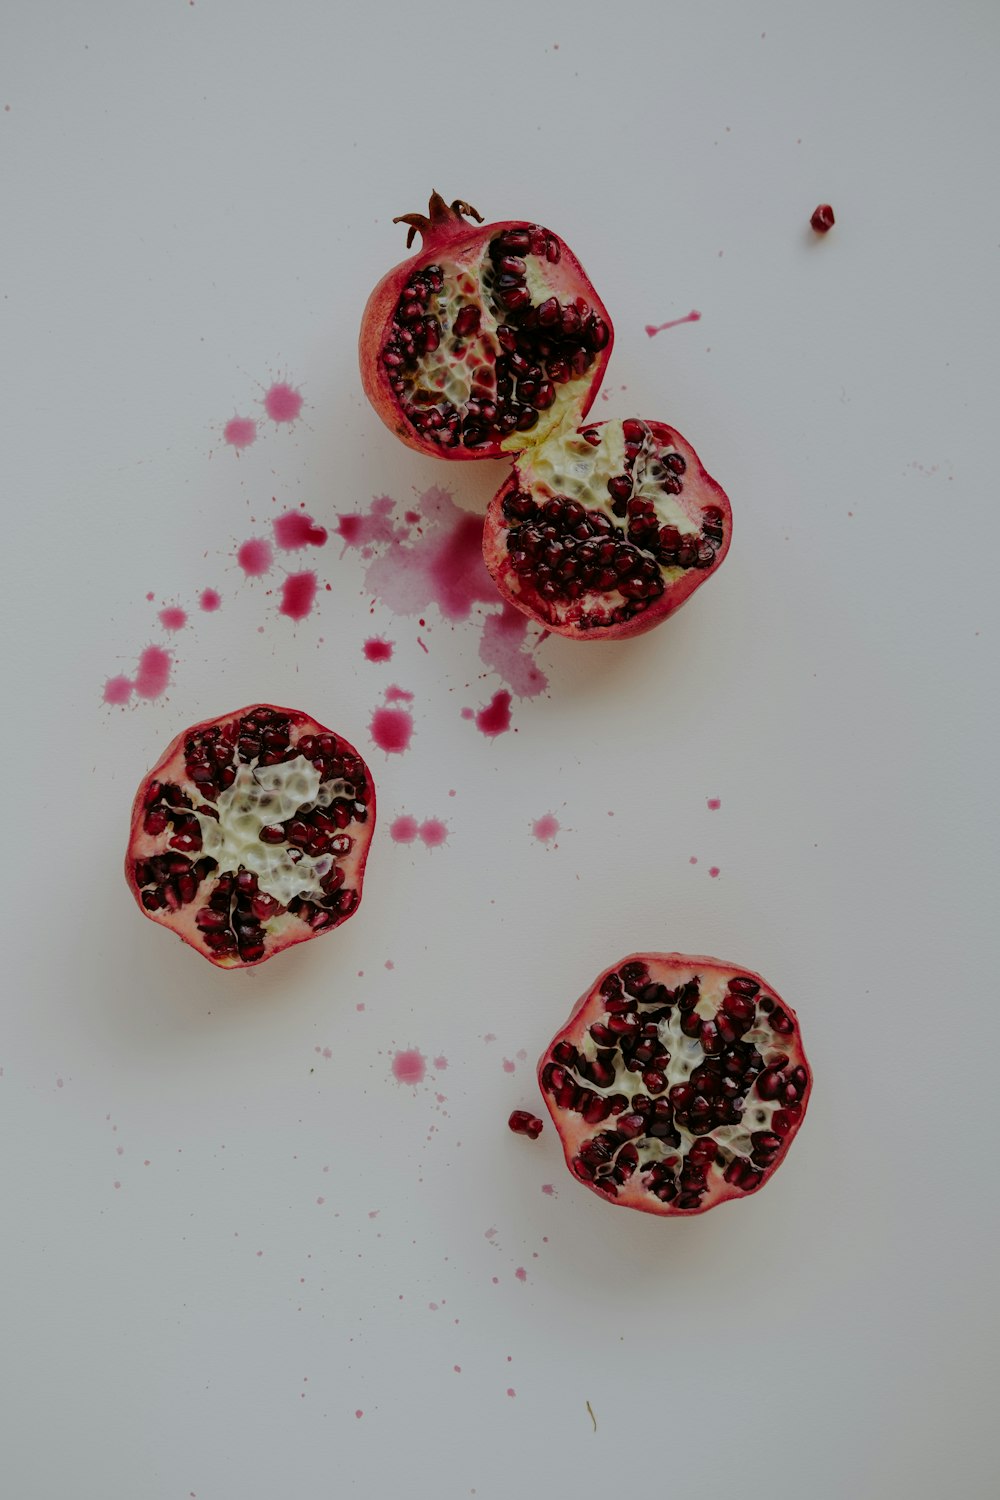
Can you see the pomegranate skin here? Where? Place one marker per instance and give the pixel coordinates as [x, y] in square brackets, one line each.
[282, 928]
[449, 239]
[574, 1132]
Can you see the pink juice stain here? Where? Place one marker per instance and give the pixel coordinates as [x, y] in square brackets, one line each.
[377, 649]
[296, 529]
[404, 830]
[545, 828]
[714, 871]
[255, 556]
[282, 402]
[118, 690]
[209, 600]
[692, 317]
[713, 804]
[298, 593]
[433, 833]
[153, 675]
[409, 1067]
[494, 719]
[173, 618]
[240, 432]
[391, 729]
[395, 694]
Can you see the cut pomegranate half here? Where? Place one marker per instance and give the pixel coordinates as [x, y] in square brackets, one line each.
[251, 834]
[603, 532]
[482, 342]
[676, 1084]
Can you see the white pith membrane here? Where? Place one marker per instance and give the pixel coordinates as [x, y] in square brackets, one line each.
[734, 1142]
[567, 465]
[462, 368]
[263, 795]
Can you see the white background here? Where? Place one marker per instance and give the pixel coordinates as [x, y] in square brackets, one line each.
[196, 200]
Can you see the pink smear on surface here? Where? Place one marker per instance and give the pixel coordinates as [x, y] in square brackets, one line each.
[298, 593]
[503, 650]
[433, 833]
[521, 1274]
[511, 1391]
[377, 649]
[173, 618]
[548, 1189]
[372, 528]
[691, 317]
[693, 860]
[440, 1063]
[391, 729]
[296, 528]
[545, 828]
[153, 675]
[210, 600]
[713, 804]
[240, 432]
[282, 402]
[714, 871]
[403, 830]
[409, 1067]
[494, 719]
[509, 1065]
[396, 694]
[255, 556]
[118, 690]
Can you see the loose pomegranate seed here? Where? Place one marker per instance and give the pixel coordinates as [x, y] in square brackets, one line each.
[822, 218]
[523, 1123]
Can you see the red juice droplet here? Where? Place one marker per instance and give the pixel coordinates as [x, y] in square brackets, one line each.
[403, 830]
[153, 675]
[117, 690]
[255, 556]
[714, 871]
[296, 529]
[391, 729]
[377, 649]
[210, 600]
[545, 828]
[433, 833]
[173, 618]
[409, 1067]
[240, 432]
[282, 402]
[494, 719]
[713, 804]
[297, 595]
[396, 694]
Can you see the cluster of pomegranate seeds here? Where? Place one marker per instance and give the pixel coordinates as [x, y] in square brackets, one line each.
[696, 1089]
[475, 357]
[240, 838]
[523, 1123]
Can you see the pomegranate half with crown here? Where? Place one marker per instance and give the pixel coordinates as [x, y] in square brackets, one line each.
[251, 834]
[677, 1083]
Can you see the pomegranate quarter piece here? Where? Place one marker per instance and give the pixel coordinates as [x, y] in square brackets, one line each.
[676, 1083]
[251, 834]
[603, 532]
[483, 340]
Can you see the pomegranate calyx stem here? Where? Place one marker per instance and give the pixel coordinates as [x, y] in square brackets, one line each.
[439, 213]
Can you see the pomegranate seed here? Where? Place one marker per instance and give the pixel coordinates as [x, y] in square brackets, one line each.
[523, 1123]
[272, 833]
[466, 323]
[822, 218]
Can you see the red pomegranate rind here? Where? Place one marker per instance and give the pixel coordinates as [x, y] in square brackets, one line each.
[602, 532]
[676, 1084]
[483, 341]
[251, 834]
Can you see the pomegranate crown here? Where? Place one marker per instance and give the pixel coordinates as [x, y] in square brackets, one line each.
[439, 213]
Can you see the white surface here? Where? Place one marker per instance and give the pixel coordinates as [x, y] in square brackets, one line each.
[197, 201]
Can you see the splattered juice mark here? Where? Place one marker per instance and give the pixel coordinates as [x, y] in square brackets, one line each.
[255, 556]
[494, 719]
[403, 830]
[240, 432]
[409, 1067]
[433, 833]
[173, 618]
[441, 1063]
[377, 649]
[117, 690]
[713, 804]
[521, 1274]
[298, 593]
[282, 402]
[153, 675]
[210, 600]
[692, 317]
[714, 871]
[296, 529]
[548, 1189]
[545, 828]
[396, 694]
[391, 729]
[503, 650]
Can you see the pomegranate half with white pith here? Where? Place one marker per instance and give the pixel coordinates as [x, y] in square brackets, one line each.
[677, 1083]
[483, 340]
[251, 833]
[604, 531]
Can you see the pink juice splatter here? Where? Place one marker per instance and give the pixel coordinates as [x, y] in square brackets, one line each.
[545, 828]
[391, 729]
[240, 432]
[255, 556]
[118, 690]
[209, 600]
[714, 871]
[377, 649]
[713, 804]
[502, 650]
[395, 694]
[403, 830]
[298, 593]
[494, 719]
[433, 833]
[409, 1067]
[153, 675]
[692, 317]
[297, 529]
[173, 618]
[282, 402]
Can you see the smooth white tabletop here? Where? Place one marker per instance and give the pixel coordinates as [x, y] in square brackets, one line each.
[241, 1261]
